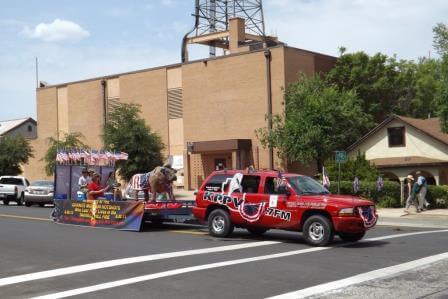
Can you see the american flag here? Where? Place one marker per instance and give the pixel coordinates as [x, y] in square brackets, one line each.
[325, 178]
[123, 156]
[379, 184]
[94, 157]
[64, 157]
[356, 185]
[59, 157]
[281, 180]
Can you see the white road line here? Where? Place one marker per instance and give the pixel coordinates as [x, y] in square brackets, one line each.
[133, 280]
[360, 278]
[137, 279]
[125, 261]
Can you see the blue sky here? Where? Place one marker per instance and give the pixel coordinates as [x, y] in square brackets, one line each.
[81, 39]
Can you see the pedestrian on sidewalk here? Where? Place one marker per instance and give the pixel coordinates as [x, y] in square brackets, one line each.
[411, 190]
[423, 189]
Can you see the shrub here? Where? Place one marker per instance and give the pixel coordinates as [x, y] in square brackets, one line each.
[437, 196]
[369, 190]
[390, 195]
[387, 201]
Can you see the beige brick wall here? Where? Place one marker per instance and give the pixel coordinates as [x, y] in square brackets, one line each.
[47, 127]
[85, 105]
[227, 98]
[149, 89]
[63, 112]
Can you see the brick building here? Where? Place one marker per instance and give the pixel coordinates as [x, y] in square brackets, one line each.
[206, 111]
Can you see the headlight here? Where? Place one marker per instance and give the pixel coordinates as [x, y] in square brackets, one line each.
[346, 212]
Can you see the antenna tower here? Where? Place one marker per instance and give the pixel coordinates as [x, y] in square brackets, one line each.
[212, 16]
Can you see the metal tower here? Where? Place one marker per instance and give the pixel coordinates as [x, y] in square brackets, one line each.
[212, 16]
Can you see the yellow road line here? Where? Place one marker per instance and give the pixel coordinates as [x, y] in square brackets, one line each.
[24, 217]
[190, 232]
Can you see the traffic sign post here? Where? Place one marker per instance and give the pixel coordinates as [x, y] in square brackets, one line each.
[340, 157]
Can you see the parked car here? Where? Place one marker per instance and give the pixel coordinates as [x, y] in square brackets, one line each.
[39, 192]
[12, 188]
[259, 201]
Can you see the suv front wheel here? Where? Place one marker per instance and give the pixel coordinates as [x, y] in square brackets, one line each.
[351, 237]
[318, 231]
[219, 224]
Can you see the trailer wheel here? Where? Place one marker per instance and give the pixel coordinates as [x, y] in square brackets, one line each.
[318, 230]
[219, 224]
[351, 237]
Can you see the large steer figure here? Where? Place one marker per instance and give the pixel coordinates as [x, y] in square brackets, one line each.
[157, 181]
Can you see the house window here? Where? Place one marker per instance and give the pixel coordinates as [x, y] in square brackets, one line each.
[30, 128]
[396, 136]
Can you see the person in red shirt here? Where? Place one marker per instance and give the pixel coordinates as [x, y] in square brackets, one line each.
[94, 188]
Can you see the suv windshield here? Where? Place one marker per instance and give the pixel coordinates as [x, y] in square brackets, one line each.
[306, 185]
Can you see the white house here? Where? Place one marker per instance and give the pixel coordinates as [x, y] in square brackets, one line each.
[402, 145]
[27, 127]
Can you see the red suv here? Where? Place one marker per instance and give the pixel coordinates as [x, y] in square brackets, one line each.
[259, 201]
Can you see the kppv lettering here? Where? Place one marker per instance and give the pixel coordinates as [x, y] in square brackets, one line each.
[223, 199]
[250, 212]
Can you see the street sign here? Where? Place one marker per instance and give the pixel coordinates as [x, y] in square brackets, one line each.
[341, 156]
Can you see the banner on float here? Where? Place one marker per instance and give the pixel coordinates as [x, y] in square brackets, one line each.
[124, 215]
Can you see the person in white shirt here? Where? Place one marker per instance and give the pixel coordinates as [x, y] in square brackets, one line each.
[84, 180]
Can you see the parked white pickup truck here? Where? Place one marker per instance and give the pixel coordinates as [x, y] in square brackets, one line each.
[12, 188]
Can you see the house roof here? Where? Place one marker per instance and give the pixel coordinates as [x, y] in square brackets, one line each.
[406, 161]
[429, 126]
[9, 125]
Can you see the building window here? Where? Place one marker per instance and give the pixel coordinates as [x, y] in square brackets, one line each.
[30, 128]
[396, 136]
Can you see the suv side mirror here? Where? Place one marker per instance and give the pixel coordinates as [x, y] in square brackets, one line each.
[284, 190]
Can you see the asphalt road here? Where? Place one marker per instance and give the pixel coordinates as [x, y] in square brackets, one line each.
[183, 261]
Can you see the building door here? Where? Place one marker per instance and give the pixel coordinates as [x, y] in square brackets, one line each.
[220, 164]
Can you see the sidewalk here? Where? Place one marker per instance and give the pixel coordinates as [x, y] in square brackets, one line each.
[437, 218]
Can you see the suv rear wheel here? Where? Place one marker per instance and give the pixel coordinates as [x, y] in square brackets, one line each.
[219, 224]
[351, 237]
[6, 202]
[318, 231]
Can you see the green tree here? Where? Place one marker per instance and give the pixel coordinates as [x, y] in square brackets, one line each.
[375, 79]
[318, 119]
[440, 39]
[386, 85]
[14, 151]
[442, 96]
[125, 131]
[68, 142]
[357, 167]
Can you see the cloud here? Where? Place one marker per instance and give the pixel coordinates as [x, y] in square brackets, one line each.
[59, 30]
[167, 2]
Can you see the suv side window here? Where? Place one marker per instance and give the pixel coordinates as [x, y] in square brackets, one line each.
[271, 185]
[250, 183]
[215, 182]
